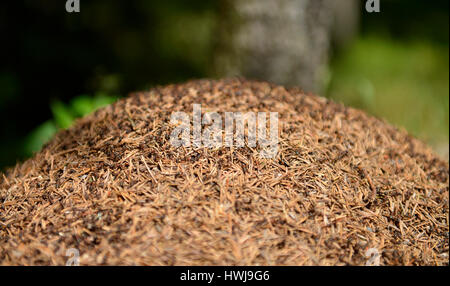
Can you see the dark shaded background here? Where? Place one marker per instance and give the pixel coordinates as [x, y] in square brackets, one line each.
[121, 46]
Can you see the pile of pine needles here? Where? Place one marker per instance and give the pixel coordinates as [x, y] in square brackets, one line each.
[115, 189]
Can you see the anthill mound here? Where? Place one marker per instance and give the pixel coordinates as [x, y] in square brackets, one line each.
[343, 186]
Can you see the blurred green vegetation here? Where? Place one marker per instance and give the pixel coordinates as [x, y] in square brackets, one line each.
[64, 116]
[404, 82]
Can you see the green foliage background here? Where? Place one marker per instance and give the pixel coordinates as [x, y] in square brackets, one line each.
[64, 116]
[404, 82]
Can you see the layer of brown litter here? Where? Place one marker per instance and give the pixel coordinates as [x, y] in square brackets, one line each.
[114, 188]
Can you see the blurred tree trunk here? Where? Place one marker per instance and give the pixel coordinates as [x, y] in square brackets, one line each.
[284, 41]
